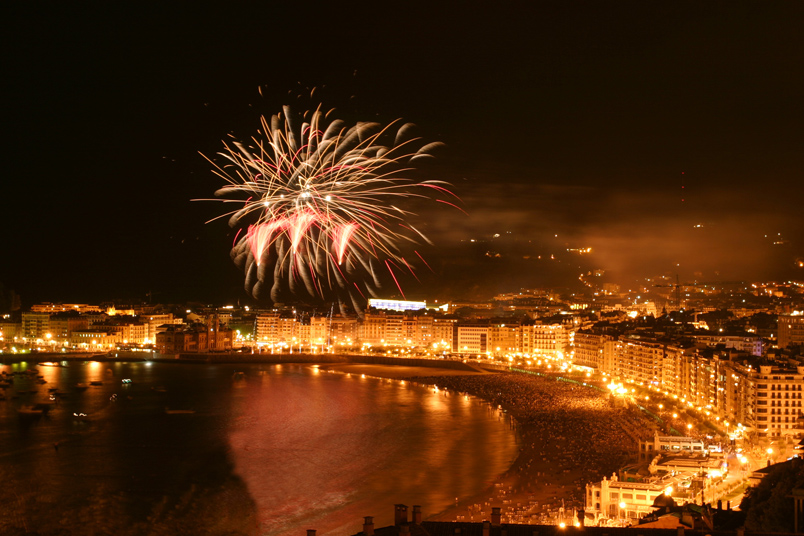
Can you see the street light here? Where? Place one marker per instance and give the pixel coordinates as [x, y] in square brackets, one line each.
[622, 508]
[743, 462]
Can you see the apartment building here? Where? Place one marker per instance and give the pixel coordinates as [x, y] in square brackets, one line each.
[790, 330]
[779, 401]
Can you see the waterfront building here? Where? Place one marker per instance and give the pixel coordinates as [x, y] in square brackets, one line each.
[275, 328]
[133, 332]
[547, 339]
[443, 333]
[505, 339]
[342, 330]
[689, 466]
[95, 339]
[662, 444]
[303, 331]
[423, 330]
[130, 332]
[194, 338]
[395, 329]
[9, 331]
[372, 329]
[472, 339]
[288, 330]
[319, 331]
[158, 323]
[267, 327]
[35, 325]
[640, 362]
[62, 325]
[595, 350]
[615, 499]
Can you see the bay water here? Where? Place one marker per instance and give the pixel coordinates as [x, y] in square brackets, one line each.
[164, 448]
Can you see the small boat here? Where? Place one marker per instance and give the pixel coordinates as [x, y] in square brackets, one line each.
[96, 382]
[82, 386]
[179, 411]
[126, 381]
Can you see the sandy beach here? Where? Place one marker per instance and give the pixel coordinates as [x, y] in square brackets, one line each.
[569, 435]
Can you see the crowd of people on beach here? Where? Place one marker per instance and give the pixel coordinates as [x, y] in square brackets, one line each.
[571, 434]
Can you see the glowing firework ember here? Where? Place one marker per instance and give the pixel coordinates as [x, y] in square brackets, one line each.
[319, 211]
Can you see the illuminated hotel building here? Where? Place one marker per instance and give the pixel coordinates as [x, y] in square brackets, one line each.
[546, 339]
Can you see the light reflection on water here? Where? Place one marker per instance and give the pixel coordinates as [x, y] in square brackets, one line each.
[276, 450]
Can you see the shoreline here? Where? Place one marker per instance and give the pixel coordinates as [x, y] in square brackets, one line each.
[545, 482]
[415, 375]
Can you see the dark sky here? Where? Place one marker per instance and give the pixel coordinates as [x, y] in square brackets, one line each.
[619, 126]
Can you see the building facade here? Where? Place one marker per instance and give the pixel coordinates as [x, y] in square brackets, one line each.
[790, 330]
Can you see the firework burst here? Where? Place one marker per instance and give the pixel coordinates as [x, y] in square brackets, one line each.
[317, 205]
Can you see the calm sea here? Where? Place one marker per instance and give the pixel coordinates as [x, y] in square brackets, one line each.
[220, 449]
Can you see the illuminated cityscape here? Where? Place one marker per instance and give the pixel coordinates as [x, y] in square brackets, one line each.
[503, 270]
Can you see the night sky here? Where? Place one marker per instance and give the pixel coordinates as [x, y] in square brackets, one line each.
[666, 136]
